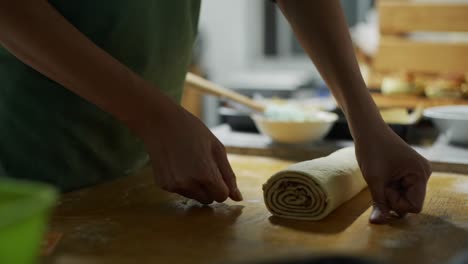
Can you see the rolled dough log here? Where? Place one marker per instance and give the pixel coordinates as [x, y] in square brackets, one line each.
[310, 190]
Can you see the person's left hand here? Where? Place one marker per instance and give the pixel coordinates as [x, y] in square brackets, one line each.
[396, 174]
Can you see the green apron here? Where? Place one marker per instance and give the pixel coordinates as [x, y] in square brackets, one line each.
[49, 134]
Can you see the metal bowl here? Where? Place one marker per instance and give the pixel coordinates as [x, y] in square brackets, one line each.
[451, 121]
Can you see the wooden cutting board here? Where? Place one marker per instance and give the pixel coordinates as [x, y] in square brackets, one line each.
[131, 221]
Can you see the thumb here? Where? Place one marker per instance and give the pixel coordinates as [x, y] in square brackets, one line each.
[380, 211]
[228, 175]
[380, 214]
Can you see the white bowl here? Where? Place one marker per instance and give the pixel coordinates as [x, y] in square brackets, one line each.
[296, 132]
[451, 120]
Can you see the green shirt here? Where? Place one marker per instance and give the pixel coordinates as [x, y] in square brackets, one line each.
[48, 133]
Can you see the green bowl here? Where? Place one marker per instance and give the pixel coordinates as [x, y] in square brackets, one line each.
[24, 207]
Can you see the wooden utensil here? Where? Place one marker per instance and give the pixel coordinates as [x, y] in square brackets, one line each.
[205, 86]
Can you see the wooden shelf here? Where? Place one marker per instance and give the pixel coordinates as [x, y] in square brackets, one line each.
[399, 49]
[410, 102]
[401, 17]
[396, 53]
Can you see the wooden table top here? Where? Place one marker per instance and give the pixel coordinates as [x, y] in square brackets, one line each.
[130, 221]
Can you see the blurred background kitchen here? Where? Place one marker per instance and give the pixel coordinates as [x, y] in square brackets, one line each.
[413, 55]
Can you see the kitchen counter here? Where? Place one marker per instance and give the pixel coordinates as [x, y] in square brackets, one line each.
[442, 155]
[130, 220]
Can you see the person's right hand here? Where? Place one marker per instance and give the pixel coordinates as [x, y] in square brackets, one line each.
[188, 159]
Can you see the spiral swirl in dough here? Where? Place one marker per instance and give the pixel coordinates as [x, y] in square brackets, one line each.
[310, 190]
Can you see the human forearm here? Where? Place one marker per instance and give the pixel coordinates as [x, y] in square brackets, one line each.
[39, 36]
[321, 29]
[194, 166]
[396, 174]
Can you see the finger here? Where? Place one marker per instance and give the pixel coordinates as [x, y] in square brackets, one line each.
[407, 195]
[428, 170]
[401, 215]
[380, 212]
[415, 196]
[397, 202]
[215, 186]
[227, 174]
[195, 192]
[205, 196]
